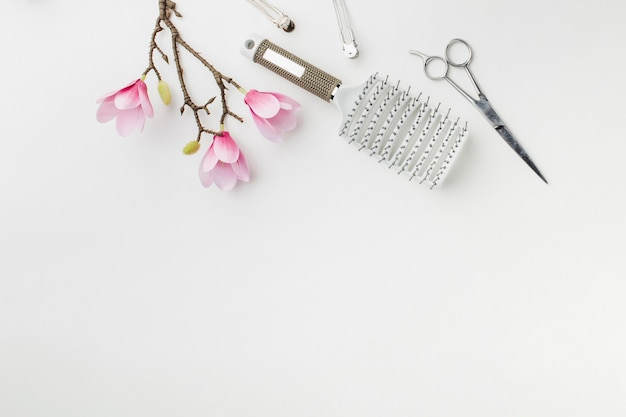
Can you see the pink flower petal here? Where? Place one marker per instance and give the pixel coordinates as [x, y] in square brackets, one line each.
[107, 111]
[209, 160]
[284, 121]
[262, 104]
[144, 100]
[223, 176]
[130, 121]
[104, 97]
[112, 93]
[127, 98]
[206, 177]
[225, 148]
[287, 102]
[241, 168]
[268, 131]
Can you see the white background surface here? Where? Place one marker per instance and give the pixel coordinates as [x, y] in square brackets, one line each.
[327, 286]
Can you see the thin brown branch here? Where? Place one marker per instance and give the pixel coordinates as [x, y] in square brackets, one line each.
[167, 8]
[155, 47]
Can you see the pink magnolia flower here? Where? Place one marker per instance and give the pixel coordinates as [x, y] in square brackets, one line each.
[130, 106]
[272, 113]
[223, 164]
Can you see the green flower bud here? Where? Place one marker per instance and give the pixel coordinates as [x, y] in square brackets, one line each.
[191, 148]
[164, 92]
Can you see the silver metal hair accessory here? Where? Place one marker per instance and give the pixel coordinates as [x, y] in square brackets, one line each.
[280, 19]
[345, 30]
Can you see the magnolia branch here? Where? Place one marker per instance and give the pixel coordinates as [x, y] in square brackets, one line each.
[167, 8]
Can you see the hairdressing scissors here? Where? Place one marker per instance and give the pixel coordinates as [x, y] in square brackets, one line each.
[436, 68]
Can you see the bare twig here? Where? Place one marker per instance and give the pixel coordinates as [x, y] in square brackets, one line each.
[167, 8]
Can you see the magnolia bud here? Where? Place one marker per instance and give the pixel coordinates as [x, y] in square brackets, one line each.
[191, 148]
[164, 92]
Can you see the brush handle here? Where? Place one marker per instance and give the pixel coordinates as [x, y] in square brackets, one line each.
[291, 67]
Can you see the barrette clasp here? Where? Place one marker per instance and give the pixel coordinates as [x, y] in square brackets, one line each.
[345, 30]
[280, 19]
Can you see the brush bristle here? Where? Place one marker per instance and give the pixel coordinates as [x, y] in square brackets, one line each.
[403, 131]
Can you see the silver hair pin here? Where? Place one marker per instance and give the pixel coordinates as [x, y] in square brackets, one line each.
[345, 30]
[280, 19]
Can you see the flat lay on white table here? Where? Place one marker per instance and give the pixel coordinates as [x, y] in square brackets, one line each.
[327, 285]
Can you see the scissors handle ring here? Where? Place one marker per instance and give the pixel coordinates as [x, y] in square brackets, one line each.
[435, 67]
[456, 63]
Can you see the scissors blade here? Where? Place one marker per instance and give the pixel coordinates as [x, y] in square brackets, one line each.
[508, 138]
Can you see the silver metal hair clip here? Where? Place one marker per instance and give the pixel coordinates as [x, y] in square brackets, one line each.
[280, 19]
[345, 30]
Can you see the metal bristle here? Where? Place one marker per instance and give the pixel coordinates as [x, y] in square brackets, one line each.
[403, 131]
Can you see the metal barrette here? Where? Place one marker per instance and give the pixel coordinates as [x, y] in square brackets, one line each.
[345, 30]
[280, 19]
